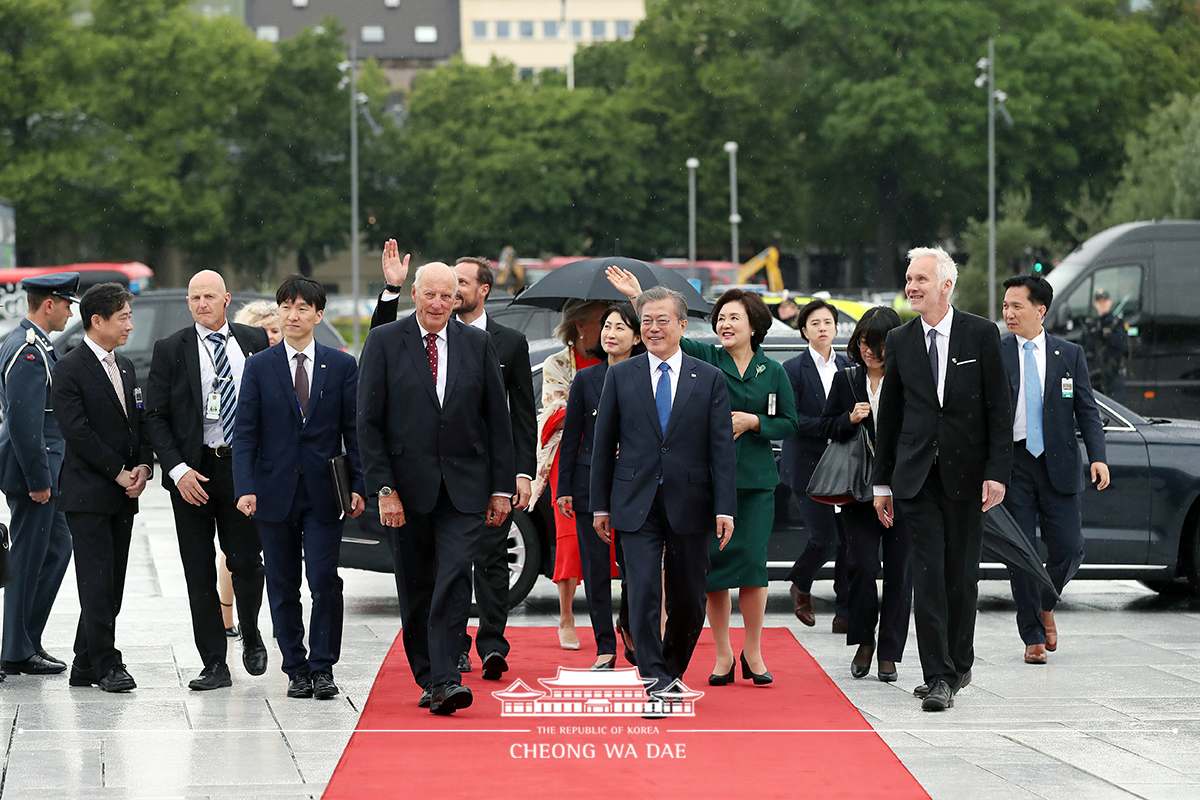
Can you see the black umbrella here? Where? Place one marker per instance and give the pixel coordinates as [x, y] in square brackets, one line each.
[1004, 541]
[585, 280]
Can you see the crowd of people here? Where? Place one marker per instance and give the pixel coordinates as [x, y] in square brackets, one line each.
[656, 450]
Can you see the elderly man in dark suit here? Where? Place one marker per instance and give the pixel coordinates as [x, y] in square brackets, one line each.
[672, 484]
[475, 279]
[31, 456]
[1051, 394]
[944, 452]
[298, 410]
[100, 411]
[436, 443]
[192, 396]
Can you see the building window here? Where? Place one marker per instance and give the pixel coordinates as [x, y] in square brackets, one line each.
[525, 30]
[267, 33]
[623, 29]
[599, 29]
[425, 34]
[479, 30]
[503, 30]
[391, 3]
[372, 33]
[550, 29]
[300, 3]
[526, 73]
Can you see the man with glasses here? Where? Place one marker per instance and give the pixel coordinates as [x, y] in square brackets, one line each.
[670, 485]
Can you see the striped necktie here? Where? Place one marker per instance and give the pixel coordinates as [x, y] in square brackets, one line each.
[225, 379]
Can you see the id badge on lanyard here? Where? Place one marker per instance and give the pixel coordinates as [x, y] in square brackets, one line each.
[212, 407]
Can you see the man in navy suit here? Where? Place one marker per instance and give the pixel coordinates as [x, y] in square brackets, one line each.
[297, 409]
[1051, 394]
[672, 483]
[438, 451]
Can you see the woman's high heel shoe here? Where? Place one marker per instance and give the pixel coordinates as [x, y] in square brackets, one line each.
[721, 680]
[760, 679]
[606, 665]
[887, 675]
[627, 640]
[864, 654]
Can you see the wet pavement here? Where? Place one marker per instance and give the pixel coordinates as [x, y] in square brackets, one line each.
[1116, 712]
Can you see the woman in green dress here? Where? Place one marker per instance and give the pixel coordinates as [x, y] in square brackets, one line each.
[763, 408]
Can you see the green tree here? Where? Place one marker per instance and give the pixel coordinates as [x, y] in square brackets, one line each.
[1017, 241]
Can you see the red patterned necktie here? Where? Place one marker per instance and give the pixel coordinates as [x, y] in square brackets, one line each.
[431, 351]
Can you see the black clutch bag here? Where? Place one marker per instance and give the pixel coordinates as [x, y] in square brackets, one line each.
[339, 471]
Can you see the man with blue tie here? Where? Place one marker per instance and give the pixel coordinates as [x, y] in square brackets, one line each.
[31, 456]
[1051, 394]
[670, 485]
[297, 410]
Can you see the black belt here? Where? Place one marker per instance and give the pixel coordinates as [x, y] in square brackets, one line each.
[221, 451]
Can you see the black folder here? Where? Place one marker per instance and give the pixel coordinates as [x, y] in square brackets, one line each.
[339, 470]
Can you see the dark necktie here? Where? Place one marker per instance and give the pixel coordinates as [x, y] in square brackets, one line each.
[302, 383]
[431, 351]
[225, 379]
[933, 356]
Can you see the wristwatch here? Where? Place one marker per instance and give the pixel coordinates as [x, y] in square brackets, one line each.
[386, 491]
[392, 288]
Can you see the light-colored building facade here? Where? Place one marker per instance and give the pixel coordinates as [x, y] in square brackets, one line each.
[537, 35]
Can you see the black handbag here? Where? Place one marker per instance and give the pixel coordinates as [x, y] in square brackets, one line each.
[843, 475]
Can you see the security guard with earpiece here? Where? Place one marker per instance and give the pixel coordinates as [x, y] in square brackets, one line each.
[31, 454]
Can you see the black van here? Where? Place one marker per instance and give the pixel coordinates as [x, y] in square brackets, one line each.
[1151, 272]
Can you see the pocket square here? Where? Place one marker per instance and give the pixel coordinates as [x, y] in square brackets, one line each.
[964, 363]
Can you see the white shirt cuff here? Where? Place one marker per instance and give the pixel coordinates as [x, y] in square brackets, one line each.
[883, 491]
[523, 475]
[599, 513]
[178, 471]
[385, 297]
[505, 495]
[724, 516]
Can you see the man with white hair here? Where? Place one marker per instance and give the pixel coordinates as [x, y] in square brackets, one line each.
[943, 454]
[436, 444]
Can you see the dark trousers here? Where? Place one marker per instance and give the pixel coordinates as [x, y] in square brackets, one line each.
[947, 537]
[433, 554]
[38, 557]
[656, 555]
[1034, 503]
[825, 541]
[865, 537]
[491, 591]
[242, 546]
[101, 546]
[303, 537]
[597, 583]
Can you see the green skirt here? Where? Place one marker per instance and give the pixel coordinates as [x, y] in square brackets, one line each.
[743, 562]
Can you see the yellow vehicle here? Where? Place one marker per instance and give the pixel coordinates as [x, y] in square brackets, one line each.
[769, 260]
[849, 311]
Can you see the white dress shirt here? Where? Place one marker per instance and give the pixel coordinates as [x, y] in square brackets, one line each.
[1039, 358]
[310, 354]
[214, 434]
[102, 354]
[673, 363]
[825, 369]
[873, 399]
[440, 344]
[943, 345]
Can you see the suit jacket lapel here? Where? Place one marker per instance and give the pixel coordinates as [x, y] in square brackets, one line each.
[687, 382]
[283, 371]
[955, 345]
[645, 392]
[454, 348]
[191, 366]
[1012, 365]
[100, 373]
[808, 369]
[320, 367]
[416, 351]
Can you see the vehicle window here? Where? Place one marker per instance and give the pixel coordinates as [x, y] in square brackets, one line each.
[514, 317]
[144, 332]
[541, 324]
[1123, 284]
[1176, 265]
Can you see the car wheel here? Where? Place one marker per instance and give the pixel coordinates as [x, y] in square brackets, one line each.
[524, 558]
[1166, 587]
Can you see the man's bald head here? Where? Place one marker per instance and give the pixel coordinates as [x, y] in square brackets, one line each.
[207, 299]
[433, 290]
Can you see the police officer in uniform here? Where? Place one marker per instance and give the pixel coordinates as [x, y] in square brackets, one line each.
[1105, 343]
[31, 454]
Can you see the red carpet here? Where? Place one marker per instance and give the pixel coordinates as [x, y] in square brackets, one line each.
[799, 737]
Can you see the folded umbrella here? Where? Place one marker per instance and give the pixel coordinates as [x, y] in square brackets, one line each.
[585, 280]
[1004, 541]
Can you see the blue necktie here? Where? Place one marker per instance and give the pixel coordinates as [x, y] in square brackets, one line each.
[225, 379]
[662, 396]
[1034, 442]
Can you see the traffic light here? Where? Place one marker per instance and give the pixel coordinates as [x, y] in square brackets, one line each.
[1037, 267]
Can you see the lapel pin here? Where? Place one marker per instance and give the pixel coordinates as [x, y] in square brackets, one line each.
[953, 360]
[760, 369]
[322, 366]
[693, 374]
[1055, 352]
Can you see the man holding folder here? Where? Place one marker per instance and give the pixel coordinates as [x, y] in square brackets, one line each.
[297, 411]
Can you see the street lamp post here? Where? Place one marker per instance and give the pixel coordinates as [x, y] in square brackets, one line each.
[354, 191]
[734, 219]
[987, 77]
[692, 164]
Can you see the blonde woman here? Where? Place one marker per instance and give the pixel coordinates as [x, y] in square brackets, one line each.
[579, 330]
[262, 314]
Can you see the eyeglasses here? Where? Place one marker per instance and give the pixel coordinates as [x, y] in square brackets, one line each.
[661, 322]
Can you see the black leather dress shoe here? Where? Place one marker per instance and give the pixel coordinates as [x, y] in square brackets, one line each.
[426, 698]
[117, 680]
[254, 659]
[607, 665]
[49, 657]
[921, 691]
[939, 698]
[214, 676]
[494, 666]
[300, 686]
[759, 678]
[82, 677]
[840, 625]
[34, 665]
[887, 675]
[464, 662]
[965, 682]
[323, 686]
[450, 697]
